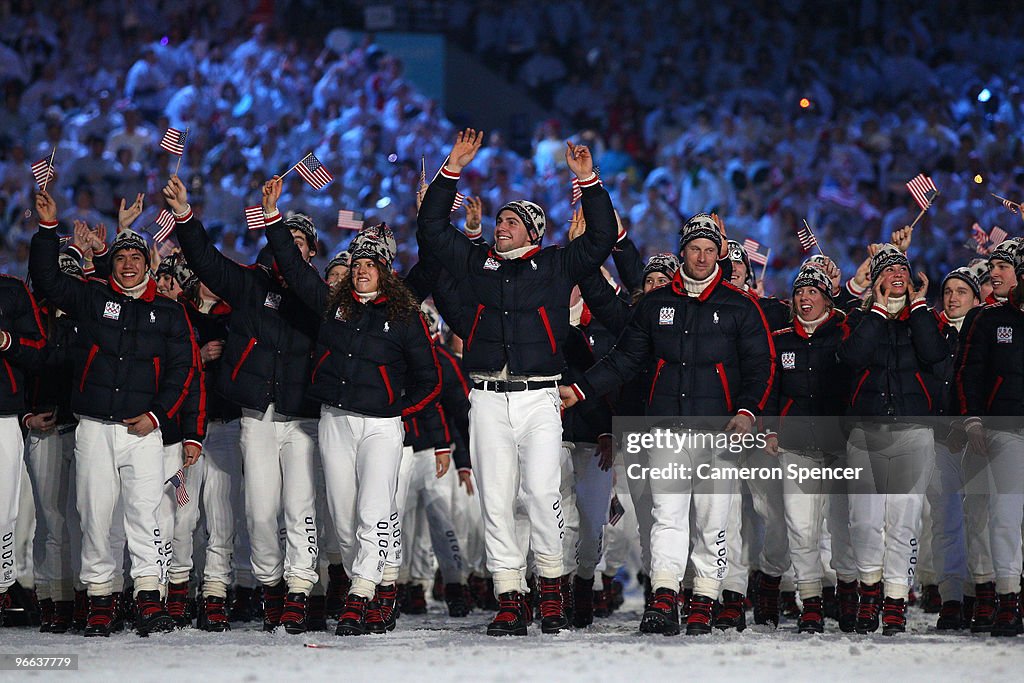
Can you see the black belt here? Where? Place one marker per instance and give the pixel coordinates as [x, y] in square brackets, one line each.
[504, 386]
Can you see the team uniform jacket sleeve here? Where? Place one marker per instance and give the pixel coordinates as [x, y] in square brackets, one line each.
[604, 304]
[423, 374]
[455, 401]
[757, 361]
[436, 236]
[590, 250]
[177, 372]
[867, 329]
[25, 325]
[193, 409]
[225, 278]
[422, 277]
[629, 263]
[972, 367]
[300, 276]
[632, 352]
[929, 343]
[66, 293]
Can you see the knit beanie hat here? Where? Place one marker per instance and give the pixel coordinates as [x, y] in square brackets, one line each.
[699, 226]
[375, 242]
[812, 276]
[129, 239]
[1006, 250]
[966, 275]
[304, 224]
[979, 268]
[665, 263]
[738, 253]
[69, 265]
[887, 256]
[531, 215]
[342, 258]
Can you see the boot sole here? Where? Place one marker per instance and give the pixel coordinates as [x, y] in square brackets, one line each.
[498, 632]
[295, 629]
[158, 625]
[698, 630]
[350, 631]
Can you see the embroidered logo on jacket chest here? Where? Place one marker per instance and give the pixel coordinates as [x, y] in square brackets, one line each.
[1004, 334]
[491, 264]
[112, 310]
[788, 360]
[667, 315]
[273, 300]
[338, 315]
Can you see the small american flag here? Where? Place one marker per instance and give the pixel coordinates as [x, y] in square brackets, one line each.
[615, 511]
[997, 236]
[178, 482]
[313, 172]
[807, 239]
[1014, 208]
[754, 252]
[42, 171]
[923, 190]
[349, 220]
[254, 218]
[459, 198]
[166, 222]
[577, 191]
[174, 141]
[980, 238]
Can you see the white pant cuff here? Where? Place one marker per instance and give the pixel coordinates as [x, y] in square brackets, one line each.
[215, 589]
[896, 590]
[146, 583]
[507, 582]
[105, 588]
[871, 577]
[363, 587]
[1007, 585]
[809, 589]
[297, 585]
[390, 575]
[710, 588]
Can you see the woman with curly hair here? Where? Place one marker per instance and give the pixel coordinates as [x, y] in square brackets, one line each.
[373, 364]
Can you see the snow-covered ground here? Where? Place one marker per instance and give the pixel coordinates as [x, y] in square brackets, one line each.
[436, 648]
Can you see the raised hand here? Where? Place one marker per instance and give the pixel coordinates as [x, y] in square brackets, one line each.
[881, 291]
[474, 215]
[99, 237]
[271, 193]
[580, 161]
[916, 294]
[724, 250]
[176, 195]
[578, 224]
[82, 239]
[46, 207]
[467, 144]
[901, 238]
[126, 215]
[862, 278]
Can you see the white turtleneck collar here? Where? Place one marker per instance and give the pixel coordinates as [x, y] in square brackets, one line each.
[365, 297]
[894, 306]
[515, 253]
[697, 287]
[136, 291]
[811, 325]
[956, 322]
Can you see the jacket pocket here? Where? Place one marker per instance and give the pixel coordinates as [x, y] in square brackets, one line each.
[320, 362]
[995, 390]
[241, 359]
[88, 364]
[387, 383]
[920, 380]
[476, 321]
[547, 328]
[856, 392]
[156, 372]
[720, 369]
[654, 380]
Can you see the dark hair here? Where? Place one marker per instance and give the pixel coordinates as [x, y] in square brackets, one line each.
[402, 305]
